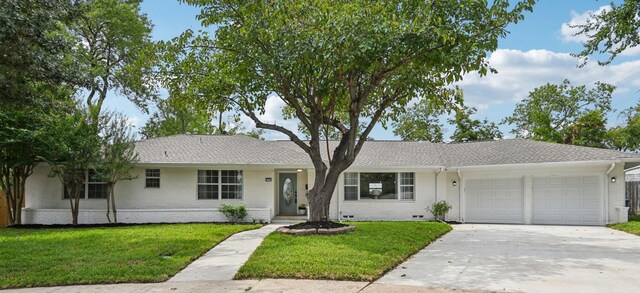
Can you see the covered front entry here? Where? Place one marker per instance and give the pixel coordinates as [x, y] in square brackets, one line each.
[499, 200]
[567, 200]
[287, 193]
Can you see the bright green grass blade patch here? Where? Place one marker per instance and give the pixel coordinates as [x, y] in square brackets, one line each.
[363, 255]
[633, 226]
[145, 253]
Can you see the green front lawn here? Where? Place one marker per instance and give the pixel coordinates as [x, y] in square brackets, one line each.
[633, 226]
[363, 255]
[144, 253]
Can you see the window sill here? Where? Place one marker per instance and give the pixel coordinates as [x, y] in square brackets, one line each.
[380, 200]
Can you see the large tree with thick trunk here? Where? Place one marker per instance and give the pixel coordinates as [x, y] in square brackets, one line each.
[339, 64]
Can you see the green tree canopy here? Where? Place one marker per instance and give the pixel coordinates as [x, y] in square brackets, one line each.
[469, 129]
[366, 59]
[550, 112]
[34, 46]
[420, 121]
[113, 45]
[611, 31]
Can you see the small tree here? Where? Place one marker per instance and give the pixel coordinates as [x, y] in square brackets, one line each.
[21, 141]
[117, 156]
[73, 148]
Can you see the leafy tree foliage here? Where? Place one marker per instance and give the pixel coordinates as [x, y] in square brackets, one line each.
[589, 130]
[555, 113]
[626, 137]
[74, 146]
[112, 38]
[34, 42]
[469, 129]
[420, 122]
[117, 156]
[611, 31]
[366, 59]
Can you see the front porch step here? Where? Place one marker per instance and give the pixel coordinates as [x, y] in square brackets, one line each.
[288, 220]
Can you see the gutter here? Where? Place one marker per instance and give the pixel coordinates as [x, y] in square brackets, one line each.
[460, 199]
[606, 193]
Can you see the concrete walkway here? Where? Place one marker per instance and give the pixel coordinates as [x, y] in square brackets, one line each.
[223, 261]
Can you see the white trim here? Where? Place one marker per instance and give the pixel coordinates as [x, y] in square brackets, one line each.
[531, 165]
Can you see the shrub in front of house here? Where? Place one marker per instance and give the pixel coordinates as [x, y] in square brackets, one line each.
[235, 214]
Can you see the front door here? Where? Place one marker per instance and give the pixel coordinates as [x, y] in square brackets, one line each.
[288, 195]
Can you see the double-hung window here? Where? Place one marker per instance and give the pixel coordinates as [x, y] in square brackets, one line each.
[93, 187]
[389, 186]
[220, 184]
[152, 178]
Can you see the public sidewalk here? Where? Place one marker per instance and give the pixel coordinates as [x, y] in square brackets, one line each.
[223, 261]
[266, 285]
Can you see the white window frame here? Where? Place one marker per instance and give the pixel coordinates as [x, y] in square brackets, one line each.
[152, 177]
[357, 186]
[219, 185]
[413, 185]
[398, 186]
[85, 194]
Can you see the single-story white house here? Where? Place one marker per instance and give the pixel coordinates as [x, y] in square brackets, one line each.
[184, 178]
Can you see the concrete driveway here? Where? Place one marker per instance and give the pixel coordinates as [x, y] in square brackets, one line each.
[518, 258]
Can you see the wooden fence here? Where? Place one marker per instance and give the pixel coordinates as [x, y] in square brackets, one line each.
[633, 196]
[4, 218]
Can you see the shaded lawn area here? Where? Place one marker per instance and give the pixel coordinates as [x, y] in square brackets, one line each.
[363, 255]
[144, 253]
[633, 226]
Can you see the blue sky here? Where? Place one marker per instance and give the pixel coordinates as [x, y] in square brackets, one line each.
[535, 52]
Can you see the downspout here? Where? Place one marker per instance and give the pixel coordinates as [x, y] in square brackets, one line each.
[606, 193]
[438, 174]
[460, 199]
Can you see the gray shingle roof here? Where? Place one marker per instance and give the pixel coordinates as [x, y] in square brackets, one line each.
[239, 150]
[217, 149]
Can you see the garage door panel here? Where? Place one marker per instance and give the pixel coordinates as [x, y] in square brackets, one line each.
[571, 200]
[494, 201]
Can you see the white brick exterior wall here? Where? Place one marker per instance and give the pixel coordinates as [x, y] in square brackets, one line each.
[63, 216]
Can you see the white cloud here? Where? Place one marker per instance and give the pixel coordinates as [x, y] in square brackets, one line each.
[567, 32]
[519, 72]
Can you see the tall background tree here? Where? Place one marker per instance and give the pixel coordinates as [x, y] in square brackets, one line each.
[421, 121]
[366, 59]
[558, 113]
[470, 129]
[112, 40]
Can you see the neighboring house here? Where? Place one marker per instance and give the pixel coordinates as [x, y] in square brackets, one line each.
[184, 178]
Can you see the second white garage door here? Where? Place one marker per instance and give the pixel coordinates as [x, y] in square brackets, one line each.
[494, 201]
[567, 200]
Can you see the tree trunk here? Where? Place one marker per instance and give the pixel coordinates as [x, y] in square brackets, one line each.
[320, 195]
[108, 204]
[74, 200]
[113, 205]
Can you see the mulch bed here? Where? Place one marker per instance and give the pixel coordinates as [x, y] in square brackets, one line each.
[318, 227]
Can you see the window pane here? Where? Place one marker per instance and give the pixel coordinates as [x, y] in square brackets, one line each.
[97, 190]
[351, 193]
[350, 178]
[66, 192]
[152, 172]
[231, 176]
[153, 182]
[406, 192]
[207, 176]
[406, 178]
[207, 192]
[378, 186]
[232, 191]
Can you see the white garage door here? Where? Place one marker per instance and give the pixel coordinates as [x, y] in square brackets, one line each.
[494, 201]
[567, 200]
